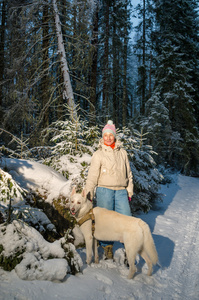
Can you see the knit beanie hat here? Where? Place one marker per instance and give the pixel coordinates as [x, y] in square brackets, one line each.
[109, 127]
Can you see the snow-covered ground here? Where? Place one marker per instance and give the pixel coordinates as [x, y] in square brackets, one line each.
[175, 228]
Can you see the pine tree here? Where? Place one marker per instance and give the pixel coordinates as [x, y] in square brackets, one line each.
[114, 30]
[144, 52]
[15, 80]
[9, 189]
[94, 64]
[33, 83]
[3, 16]
[146, 177]
[45, 80]
[157, 124]
[174, 83]
[72, 143]
[178, 22]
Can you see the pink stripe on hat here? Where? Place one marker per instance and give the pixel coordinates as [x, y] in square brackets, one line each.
[109, 127]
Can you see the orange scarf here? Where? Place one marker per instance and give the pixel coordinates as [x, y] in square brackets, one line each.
[112, 145]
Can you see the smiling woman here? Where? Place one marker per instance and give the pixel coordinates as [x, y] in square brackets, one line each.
[109, 134]
[111, 175]
[109, 139]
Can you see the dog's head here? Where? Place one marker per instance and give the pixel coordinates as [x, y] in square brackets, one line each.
[76, 202]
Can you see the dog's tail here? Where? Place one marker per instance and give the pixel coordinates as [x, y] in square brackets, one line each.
[149, 245]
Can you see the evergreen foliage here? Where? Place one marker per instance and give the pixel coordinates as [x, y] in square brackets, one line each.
[174, 86]
[32, 265]
[74, 144]
[156, 88]
[146, 177]
[9, 189]
[32, 70]
[144, 52]
[157, 124]
[114, 51]
[28, 251]
[17, 146]
[71, 137]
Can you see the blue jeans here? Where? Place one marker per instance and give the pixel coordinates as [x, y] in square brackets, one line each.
[113, 200]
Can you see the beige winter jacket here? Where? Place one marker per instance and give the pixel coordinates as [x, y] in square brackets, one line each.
[110, 168]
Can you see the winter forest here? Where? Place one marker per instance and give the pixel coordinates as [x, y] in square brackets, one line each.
[66, 68]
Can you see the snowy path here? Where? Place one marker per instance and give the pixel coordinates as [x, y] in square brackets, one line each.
[175, 228]
[180, 223]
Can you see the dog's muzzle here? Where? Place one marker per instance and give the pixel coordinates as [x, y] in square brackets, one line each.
[72, 211]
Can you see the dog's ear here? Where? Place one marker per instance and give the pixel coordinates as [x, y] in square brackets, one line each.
[84, 193]
[73, 191]
[88, 196]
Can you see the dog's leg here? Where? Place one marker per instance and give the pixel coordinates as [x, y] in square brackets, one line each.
[132, 246]
[95, 251]
[89, 246]
[86, 231]
[131, 255]
[148, 262]
[132, 267]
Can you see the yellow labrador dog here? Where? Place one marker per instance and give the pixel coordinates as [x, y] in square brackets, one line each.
[102, 224]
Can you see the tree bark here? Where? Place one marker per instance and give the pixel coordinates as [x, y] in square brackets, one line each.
[115, 104]
[143, 59]
[124, 102]
[45, 80]
[106, 61]
[68, 91]
[2, 54]
[94, 43]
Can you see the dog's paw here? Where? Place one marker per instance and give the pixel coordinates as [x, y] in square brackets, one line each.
[97, 260]
[88, 261]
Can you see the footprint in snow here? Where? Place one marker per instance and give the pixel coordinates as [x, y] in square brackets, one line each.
[104, 279]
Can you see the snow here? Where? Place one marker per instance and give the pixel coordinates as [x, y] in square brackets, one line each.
[175, 228]
[36, 176]
[41, 259]
[12, 189]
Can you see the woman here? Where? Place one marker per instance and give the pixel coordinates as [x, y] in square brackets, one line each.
[111, 175]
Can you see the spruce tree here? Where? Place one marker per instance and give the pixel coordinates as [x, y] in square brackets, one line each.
[146, 177]
[32, 78]
[3, 17]
[174, 83]
[114, 30]
[143, 51]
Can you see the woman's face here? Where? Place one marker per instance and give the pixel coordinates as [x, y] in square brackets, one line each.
[108, 138]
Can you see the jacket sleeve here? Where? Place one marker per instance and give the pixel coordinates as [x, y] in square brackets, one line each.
[130, 178]
[93, 174]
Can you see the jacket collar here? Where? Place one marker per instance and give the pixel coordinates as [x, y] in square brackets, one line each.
[101, 145]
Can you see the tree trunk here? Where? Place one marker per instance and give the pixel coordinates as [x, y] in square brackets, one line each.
[45, 80]
[94, 43]
[124, 103]
[2, 54]
[115, 70]
[150, 75]
[143, 60]
[105, 71]
[67, 91]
